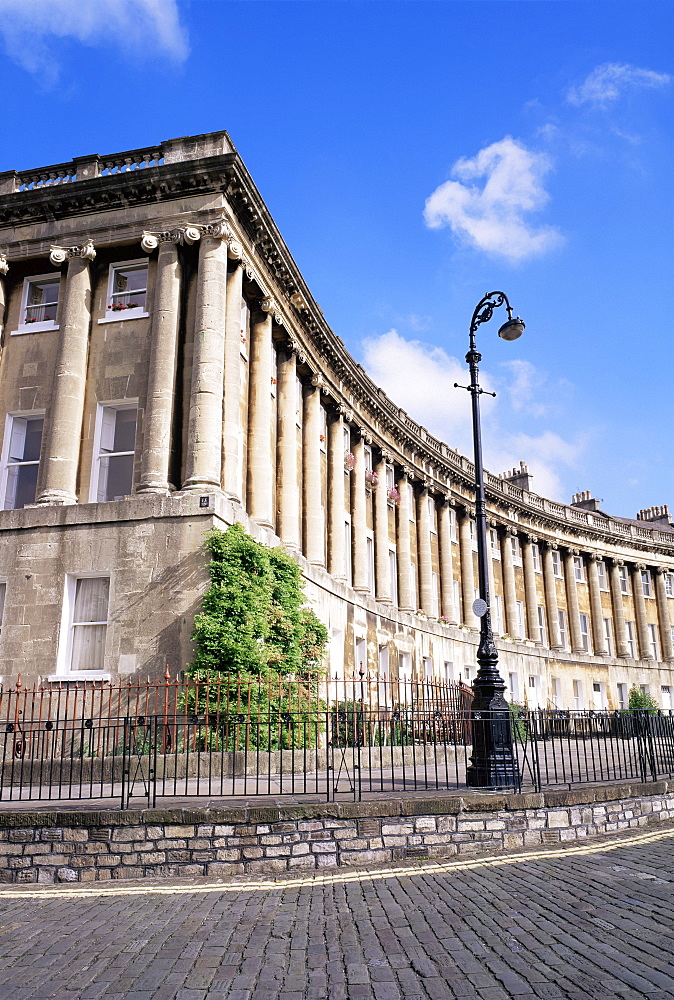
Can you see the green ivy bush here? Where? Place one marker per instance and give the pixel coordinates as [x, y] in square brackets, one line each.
[264, 646]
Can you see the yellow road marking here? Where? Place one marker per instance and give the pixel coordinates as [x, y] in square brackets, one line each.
[336, 877]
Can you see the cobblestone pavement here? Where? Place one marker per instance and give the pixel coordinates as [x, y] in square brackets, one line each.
[595, 920]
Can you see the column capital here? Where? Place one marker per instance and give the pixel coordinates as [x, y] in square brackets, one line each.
[364, 434]
[572, 550]
[318, 382]
[508, 529]
[593, 557]
[530, 538]
[662, 570]
[345, 411]
[4, 266]
[150, 241]
[616, 561]
[638, 567]
[550, 545]
[405, 472]
[386, 455]
[58, 255]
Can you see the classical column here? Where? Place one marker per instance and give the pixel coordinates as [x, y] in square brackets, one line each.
[530, 596]
[640, 612]
[358, 518]
[259, 501]
[203, 468]
[663, 615]
[448, 608]
[336, 519]
[287, 484]
[232, 430]
[4, 268]
[424, 550]
[154, 462]
[467, 572]
[381, 546]
[63, 423]
[509, 591]
[404, 542]
[314, 548]
[595, 606]
[622, 648]
[573, 613]
[555, 638]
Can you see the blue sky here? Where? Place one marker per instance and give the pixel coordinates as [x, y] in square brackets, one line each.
[416, 155]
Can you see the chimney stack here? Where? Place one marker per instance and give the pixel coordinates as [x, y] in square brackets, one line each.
[585, 501]
[519, 477]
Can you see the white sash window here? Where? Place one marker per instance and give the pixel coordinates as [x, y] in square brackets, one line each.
[114, 448]
[23, 439]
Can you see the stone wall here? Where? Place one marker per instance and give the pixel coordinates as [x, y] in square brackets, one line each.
[180, 843]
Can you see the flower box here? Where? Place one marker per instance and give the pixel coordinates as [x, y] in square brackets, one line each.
[371, 480]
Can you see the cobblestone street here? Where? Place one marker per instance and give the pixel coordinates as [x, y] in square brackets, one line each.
[595, 920]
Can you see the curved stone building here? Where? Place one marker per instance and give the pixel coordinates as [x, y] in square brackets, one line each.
[165, 368]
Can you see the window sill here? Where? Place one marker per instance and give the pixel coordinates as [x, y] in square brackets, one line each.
[121, 319]
[34, 328]
[80, 675]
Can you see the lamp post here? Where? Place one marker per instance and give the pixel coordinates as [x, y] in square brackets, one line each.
[493, 763]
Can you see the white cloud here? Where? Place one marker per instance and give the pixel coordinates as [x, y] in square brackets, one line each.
[493, 217]
[420, 378]
[608, 82]
[137, 27]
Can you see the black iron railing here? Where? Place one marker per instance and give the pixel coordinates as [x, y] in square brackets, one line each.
[332, 749]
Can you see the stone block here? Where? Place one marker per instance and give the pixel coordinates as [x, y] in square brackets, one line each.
[511, 841]
[369, 827]
[468, 825]
[364, 857]
[269, 865]
[220, 868]
[326, 860]
[127, 872]
[558, 818]
[67, 875]
[397, 829]
[228, 854]
[251, 853]
[425, 824]
[447, 824]
[175, 830]
[123, 833]
[324, 848]
[308, 861]
[21, 836]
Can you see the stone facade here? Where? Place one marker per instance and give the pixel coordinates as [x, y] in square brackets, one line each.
[165, 369]
[182, 843]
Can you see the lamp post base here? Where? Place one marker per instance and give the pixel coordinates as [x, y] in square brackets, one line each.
[493, 763]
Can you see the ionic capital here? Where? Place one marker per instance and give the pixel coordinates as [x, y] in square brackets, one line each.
[549, 544]
[345, 412]
[58, 255]
[662, 570]
[639, 567]
[319, 382]
[386, 456]
[4, 266]
[405, 473]
[572, 551]
[533, 539]
[616, 561]
[364, 434]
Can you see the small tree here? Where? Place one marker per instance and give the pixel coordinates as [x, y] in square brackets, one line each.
[255, 635]
[641, 701]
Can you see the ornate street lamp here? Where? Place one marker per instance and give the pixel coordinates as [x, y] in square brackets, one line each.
[493, 763]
